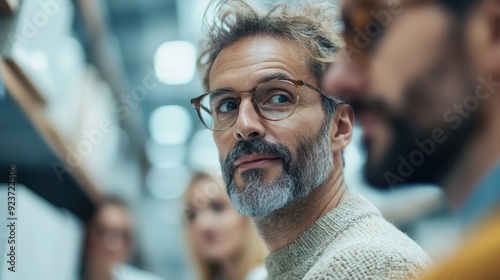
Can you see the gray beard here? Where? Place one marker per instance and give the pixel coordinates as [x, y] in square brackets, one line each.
[309, 170]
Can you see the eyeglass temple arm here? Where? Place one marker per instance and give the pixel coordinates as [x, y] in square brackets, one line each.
[196, 104]
[204, 108]
[330, 96]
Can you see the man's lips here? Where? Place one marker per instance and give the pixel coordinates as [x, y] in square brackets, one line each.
[254, 161]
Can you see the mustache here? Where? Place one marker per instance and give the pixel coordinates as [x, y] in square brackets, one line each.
[258, 146]
[378, 106]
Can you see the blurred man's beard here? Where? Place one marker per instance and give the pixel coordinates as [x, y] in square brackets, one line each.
[405, 162]
[300, 175]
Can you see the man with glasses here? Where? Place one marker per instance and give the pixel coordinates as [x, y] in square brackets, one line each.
[280, 140]
[432, 114]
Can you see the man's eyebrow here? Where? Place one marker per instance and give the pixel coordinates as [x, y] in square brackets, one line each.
[219, 92]
[262, 80]
[272, 77]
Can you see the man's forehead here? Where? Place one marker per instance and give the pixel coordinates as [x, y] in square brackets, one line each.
[409, 48]
[415, 36]
[249, 59]
[419, 24]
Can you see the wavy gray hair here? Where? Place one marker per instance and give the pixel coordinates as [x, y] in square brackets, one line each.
[309, 24]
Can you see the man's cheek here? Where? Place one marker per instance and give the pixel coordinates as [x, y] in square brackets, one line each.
[224, 143]
[222, 151]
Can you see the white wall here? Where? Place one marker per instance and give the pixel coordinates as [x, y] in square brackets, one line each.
[48, 239]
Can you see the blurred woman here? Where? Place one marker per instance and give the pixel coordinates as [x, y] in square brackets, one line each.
[224, 245]
[109, 244]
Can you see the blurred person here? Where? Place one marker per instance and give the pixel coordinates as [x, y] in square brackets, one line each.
[432, 113]
[109, 244]
[425, 119]
[224, 244]
[404, 206]
[281, 154]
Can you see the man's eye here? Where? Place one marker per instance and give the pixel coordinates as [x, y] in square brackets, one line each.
[279, 99]
[228, 106]
[190, 216]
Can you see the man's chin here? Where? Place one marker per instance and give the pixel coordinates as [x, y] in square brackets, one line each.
[397, 171]
[263, 176]
[256, 198]
[394, 167]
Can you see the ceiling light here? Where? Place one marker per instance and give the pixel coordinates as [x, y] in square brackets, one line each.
[175, 62]
[170, 125]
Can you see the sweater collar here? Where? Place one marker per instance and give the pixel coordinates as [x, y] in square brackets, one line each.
[306, 249]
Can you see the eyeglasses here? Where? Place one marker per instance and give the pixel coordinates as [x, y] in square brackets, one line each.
[274, 100]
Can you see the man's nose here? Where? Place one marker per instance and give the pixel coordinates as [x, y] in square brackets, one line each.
[248, 125]
[346, 80]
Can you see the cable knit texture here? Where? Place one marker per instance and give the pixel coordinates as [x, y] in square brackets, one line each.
[353, 241]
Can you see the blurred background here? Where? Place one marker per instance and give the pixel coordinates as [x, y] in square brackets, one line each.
[94, 100]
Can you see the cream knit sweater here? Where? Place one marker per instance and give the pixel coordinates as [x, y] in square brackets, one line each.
[353, 241]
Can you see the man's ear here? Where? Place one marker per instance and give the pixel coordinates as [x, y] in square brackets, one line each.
[341, 126]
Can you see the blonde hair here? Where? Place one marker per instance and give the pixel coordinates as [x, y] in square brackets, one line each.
[254, 250]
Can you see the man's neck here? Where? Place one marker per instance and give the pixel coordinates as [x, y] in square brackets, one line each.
[479, 157]
[284, 226]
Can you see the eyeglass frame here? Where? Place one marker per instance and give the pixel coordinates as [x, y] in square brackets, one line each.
[196, 102]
